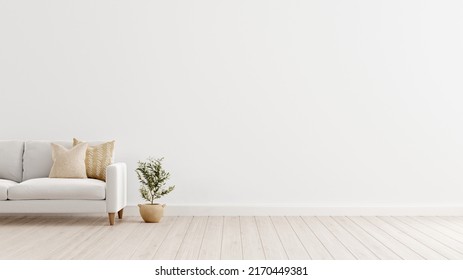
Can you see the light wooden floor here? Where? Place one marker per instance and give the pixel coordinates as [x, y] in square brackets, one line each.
[363, 238]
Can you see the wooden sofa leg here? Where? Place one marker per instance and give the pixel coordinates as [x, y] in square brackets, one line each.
[111, 216]
[120, 213]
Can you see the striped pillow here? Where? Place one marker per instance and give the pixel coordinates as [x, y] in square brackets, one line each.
[97, 159]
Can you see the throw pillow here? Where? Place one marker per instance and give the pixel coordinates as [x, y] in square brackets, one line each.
[68, 163]
[97, 159]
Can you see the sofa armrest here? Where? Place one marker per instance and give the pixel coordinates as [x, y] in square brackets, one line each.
[116, 187]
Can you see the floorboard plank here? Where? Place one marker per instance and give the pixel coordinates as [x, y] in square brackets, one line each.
[448, 222]
[63, 241]
[252, 245]
[42, 235]
[13, 231]
[127, 247]
[411, 242]
[231, 241]
[158, 232]
[378, 248]
[112, 239]
[385, 238]
[348, 240]
[59, 235]
[442, 249]
[171, 243]
[291, 243]
[19, 237]
[189, 250]
[441, 234]
[332, 244]
[312, 244]
[456, 219]
[271, 243]
[211, 248]
[80, 239]
[453, 246]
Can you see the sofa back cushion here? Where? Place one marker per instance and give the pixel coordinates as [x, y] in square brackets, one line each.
[37, 161]
[11, 157]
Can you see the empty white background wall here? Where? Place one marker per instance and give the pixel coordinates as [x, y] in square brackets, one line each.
[262, 102]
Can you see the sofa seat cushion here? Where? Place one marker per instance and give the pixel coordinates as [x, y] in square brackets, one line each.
[58, 188]
[4, 185]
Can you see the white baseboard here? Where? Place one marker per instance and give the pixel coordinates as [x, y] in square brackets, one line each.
[307, 210]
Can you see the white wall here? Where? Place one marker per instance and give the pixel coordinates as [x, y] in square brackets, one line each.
[251, 102]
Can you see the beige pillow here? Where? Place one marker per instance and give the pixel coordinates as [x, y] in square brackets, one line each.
[68, 163]
[97, 159]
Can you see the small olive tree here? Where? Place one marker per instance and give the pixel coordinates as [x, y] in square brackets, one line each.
[153, 179]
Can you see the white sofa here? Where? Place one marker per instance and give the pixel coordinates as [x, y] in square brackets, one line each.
[26, 188]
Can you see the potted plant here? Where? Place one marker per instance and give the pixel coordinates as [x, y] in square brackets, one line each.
[153, 179]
